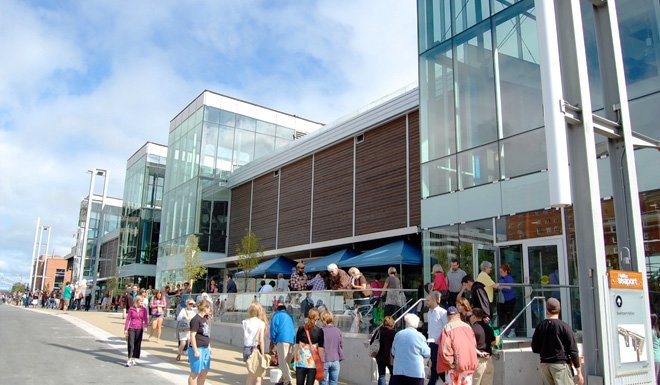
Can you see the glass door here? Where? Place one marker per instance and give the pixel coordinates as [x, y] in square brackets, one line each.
[538, 263]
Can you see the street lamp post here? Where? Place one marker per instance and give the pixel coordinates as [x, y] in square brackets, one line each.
[99, 234]
[35, 266]
[34, 249]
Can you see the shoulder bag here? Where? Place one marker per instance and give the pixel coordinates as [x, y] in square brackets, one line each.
[258, 362]
[374, 346]
[320, 370]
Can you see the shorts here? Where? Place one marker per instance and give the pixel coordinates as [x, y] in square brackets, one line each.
[247, 352]
[183, 336]
[154, 316]
[197, 365]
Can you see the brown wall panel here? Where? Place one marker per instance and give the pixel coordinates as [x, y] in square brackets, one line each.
[333, 192]
[295, 203]
[264, 209]
[415, 171]
[240, 215]
[380, 183]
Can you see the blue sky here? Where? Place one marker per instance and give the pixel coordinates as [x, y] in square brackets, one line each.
[83, 84]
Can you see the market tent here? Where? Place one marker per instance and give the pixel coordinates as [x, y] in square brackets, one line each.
[397, 253]
[321, 264]
[273, 267]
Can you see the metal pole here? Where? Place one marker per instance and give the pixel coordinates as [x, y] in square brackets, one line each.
[34, 248]
[43, 268]
[35, 267]
[99, 236]
[86, 229]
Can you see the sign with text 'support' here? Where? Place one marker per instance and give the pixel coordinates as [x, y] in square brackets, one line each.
[629, 319]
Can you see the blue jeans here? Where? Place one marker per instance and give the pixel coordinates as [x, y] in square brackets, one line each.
[331, 373]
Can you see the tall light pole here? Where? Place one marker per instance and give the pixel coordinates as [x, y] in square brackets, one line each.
[94, 172]
[34, 249]
[99, 234]
[35, 267]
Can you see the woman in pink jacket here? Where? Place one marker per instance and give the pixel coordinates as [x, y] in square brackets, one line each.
[137, 322]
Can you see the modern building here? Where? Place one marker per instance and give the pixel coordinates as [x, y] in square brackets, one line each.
[141, 215]
[212, 137]
[52, 273]
[352, 184]
[486, 174]
[101, 222]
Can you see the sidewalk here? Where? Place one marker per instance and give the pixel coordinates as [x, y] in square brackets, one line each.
[227, 366]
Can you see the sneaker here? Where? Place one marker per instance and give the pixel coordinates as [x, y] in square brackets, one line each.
[128, 364]
[133, 363]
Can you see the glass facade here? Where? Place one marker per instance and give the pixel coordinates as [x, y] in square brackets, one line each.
[111, 222]
[203, 151]
[141, 214]
[482, 122]
[474, 81]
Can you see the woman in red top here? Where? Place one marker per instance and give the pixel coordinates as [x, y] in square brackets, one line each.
[158, 306]
[137, 321]
[440, 283]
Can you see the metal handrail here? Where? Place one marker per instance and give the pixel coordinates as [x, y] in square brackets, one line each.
[506, 329]
[414, 305]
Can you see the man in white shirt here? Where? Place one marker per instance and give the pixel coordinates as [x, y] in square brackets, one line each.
[437, 319]
[265, 288]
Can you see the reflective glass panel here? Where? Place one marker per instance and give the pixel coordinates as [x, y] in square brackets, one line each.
[227, 118]
[212, 115]
[478, 166]
[246, 123]
[243, 147]
[209, 146]
[523, 154]
[519, 74]
[476, 122]
[263, 145]
[439, 176]
[438, 135]
[266, 128]
[225, 149]
[499, 5]
[285, 133]
[468, 13]
[434, 22]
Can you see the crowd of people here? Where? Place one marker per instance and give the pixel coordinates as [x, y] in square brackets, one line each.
[454, 345]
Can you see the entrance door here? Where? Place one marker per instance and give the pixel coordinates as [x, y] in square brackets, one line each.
[536, 263]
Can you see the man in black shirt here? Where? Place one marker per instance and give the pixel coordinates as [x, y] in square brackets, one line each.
[478, 296]
[554, 341]
[485, 337]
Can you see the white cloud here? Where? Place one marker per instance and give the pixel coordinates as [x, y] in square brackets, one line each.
[88, 83]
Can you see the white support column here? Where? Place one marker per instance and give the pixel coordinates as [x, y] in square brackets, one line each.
[99, 235]
[34, 249]
[83, 254]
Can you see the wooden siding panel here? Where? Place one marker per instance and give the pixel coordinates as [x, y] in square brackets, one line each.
[415, 170]
[295, 203]
[381, 179]
[333, 192]
[239, 221]
[264, 209]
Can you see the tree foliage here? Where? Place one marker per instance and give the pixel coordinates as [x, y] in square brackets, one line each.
[18, 286]
[192, 263]
[112, 284]
[249, 253]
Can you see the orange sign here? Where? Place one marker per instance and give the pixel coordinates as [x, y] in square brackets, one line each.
[620, 279]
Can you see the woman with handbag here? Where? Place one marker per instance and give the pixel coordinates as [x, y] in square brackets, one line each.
[309, 351]
[383, 358]
[253, 343]
[183, 325]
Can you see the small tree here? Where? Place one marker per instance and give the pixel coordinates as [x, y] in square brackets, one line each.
[18, 286]
[192, 263]
[112, 284]
[249, 254]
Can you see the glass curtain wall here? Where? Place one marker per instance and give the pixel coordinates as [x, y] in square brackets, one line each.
[203, 151]
[480, 87]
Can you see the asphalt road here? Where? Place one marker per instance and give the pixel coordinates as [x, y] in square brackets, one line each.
[37, 348]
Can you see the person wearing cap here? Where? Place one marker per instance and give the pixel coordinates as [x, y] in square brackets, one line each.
[485, 337]
[409, 350]
[554, 341]
[457, 350]
[437, 319]
[282, 336]
[339, 279]
[298, 280]
[183, 325]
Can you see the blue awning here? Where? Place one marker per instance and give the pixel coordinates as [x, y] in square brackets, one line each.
[273, 267]
[321, 264]
[393, 254]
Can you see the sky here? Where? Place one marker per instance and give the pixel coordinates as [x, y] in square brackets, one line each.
[84, 84]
